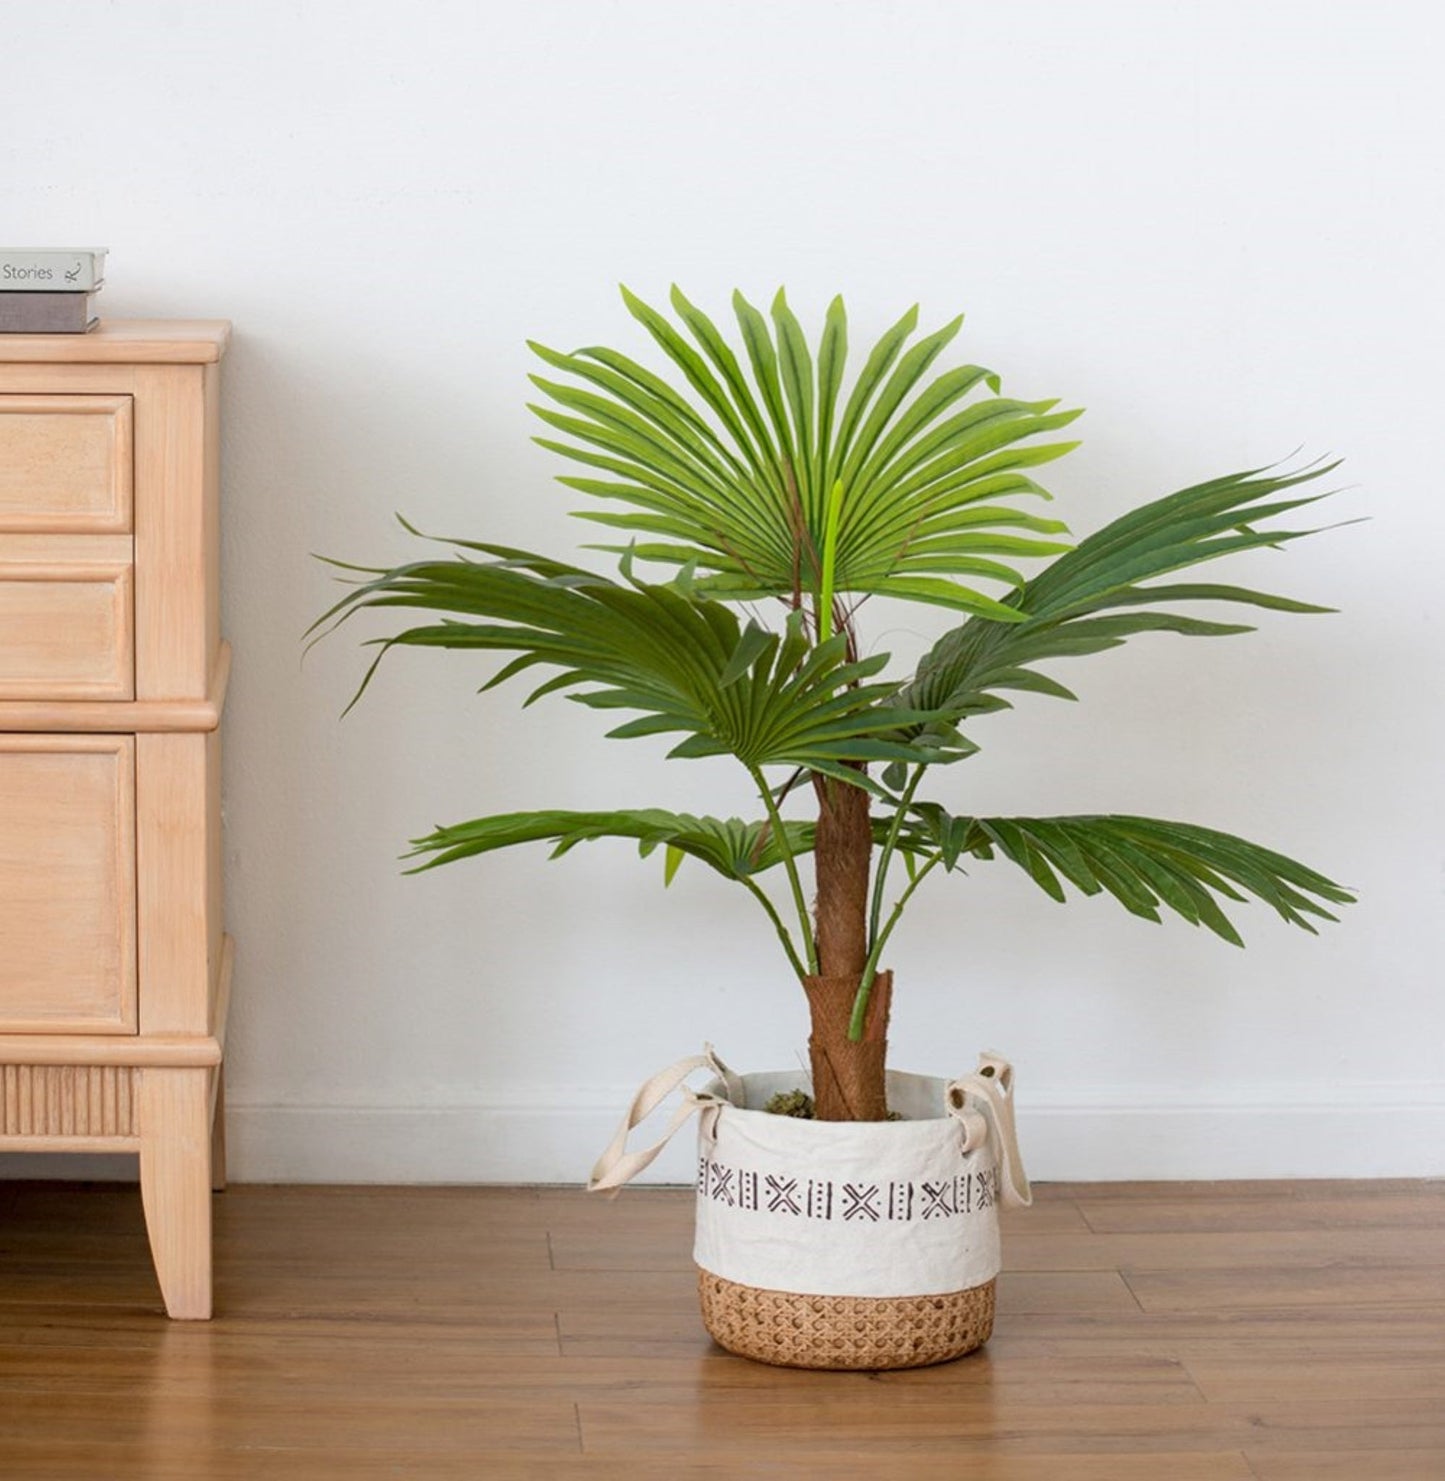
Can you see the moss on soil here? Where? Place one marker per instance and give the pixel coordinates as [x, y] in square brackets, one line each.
[800, 1104]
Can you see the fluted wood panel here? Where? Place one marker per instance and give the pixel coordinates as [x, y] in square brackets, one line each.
[66, 1100]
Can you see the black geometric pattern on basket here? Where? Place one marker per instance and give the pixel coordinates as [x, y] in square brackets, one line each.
[868, 1203]
[819, 1202]
[987, 1192]
[860, 1201]
[939, 1200]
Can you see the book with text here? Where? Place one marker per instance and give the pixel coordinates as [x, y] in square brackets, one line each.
[51, 269]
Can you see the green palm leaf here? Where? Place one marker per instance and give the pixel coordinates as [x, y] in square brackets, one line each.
[733, 848]
[1149, 865]
[745, 492]
[736, 849]
[1096, 596]
[682, 661]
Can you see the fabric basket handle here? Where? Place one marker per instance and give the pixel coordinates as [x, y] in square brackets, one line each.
[617, 1165]
[983, 1104]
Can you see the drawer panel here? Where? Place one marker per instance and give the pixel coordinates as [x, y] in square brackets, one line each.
[65, 463]
[66, 617]
[67, 884]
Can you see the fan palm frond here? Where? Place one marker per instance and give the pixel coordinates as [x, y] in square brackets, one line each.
[683, 661]
[1096, 596]
[768, 474]
[1149, 865]
[735, 849]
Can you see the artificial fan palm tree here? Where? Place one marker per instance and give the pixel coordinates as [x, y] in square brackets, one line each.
[762, 483]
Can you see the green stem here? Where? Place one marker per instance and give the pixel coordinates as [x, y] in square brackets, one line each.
[779, 927]
[886, 857]
[830, 563]
[870, 967]
[790, 864]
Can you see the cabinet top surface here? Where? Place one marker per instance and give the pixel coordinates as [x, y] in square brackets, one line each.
[124, 341]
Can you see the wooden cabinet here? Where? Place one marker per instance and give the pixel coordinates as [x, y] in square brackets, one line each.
[65, 617]
[67, 884]
[114, 969]
[65, 463]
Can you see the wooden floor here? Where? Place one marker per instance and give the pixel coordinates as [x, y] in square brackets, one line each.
[1165, 1332]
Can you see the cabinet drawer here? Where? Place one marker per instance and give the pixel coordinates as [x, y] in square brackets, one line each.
[67, 884]
[66, 617]
[65, 463]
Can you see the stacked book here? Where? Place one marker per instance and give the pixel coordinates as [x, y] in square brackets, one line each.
[49, 290]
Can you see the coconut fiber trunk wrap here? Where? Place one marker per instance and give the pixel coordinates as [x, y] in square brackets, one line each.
[848, 1078]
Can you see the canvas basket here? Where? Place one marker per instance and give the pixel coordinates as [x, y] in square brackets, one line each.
[842, 1244]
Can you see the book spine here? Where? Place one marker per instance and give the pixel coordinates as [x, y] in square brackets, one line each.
[51, 272]
[45, 313]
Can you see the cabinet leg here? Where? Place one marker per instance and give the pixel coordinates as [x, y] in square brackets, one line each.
[218, 1133]
[175, 1183]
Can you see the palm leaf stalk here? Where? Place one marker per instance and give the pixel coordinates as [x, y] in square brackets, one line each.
[773, 499]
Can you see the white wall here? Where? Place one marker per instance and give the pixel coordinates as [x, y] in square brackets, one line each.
[1218, 226]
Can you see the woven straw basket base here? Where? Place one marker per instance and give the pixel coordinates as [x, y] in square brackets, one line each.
[873, 1332]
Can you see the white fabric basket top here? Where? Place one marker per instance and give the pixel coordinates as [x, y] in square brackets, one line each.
[842, 1208]
[889, 1208]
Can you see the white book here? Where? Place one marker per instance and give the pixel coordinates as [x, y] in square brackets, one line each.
[51, 269]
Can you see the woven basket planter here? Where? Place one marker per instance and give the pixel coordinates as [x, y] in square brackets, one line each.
[870, 1332]
[843, 1244]
[840, 1244]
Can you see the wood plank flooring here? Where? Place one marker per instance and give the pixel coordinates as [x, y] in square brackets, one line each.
[1146, 1332]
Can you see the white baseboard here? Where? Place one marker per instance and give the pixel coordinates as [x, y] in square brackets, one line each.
[1359, 1131]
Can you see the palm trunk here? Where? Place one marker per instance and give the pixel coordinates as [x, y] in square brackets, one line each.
[848, 1077]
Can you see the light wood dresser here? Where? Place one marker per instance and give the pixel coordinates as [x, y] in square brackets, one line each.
[114, 972]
